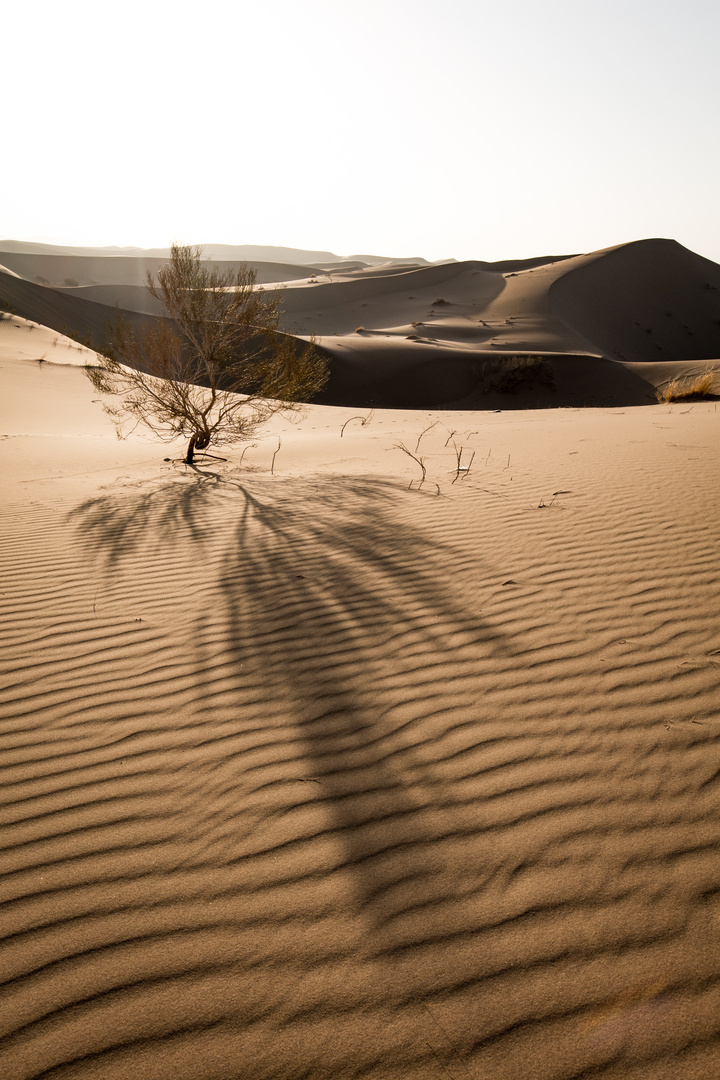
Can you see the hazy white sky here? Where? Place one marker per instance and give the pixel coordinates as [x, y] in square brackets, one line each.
[441, 128]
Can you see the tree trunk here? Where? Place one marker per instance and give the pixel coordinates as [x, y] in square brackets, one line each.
[199, 441]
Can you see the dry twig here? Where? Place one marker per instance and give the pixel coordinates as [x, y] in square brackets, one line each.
[272, 465]
[363, 420]
[428, 428]
[420, 461]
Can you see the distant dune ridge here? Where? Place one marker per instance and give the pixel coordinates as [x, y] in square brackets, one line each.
[610, 326]
[310, 771]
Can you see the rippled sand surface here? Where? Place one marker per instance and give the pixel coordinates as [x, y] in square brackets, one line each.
[307, 774]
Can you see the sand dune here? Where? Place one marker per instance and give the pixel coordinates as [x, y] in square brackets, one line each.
[313, 774]
[71, 271]
[435, 335]
[665, 302]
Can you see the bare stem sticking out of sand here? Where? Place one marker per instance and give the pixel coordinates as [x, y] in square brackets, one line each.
[272, 465]
[460, 469]
[424, 432]
[420, 461]
[363, 420]
[542, 505]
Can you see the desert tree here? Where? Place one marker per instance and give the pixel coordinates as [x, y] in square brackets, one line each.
[215, 368]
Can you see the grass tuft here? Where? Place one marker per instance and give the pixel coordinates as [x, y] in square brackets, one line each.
[689, 387]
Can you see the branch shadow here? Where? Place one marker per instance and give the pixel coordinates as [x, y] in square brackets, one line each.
[328, 635]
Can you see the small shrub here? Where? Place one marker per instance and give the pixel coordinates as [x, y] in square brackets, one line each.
[689, 387]
[360, 330]
[506, 374]
[439, 300]
[216, 369]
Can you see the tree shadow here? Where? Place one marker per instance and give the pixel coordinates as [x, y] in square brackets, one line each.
[325, 638]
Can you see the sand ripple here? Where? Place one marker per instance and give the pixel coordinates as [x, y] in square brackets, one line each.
[325, 778]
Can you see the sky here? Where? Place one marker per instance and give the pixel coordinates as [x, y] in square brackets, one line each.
[459, 129]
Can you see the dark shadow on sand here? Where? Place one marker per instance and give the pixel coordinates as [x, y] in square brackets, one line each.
[333, 623]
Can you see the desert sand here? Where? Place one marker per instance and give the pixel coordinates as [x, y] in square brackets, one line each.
[313, 771]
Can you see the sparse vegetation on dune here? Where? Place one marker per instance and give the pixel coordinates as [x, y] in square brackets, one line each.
[506, 374]
[363, 420]
[216, 369]
[418, 460]
[706, 384]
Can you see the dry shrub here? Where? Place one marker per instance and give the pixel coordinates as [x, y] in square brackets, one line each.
[506, 374]
[689, 387]
[216, 368]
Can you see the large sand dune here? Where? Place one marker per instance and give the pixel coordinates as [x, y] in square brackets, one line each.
[435, 335]
[308, 774]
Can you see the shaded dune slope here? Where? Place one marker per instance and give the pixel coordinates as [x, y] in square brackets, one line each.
[82, 320]
[403, 375]
[649, 301]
